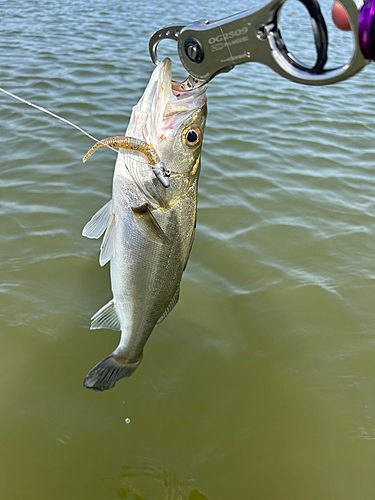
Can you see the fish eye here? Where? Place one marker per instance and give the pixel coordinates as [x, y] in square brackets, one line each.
[191, 137]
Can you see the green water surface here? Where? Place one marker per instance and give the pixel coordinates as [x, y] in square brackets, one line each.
[261, 383]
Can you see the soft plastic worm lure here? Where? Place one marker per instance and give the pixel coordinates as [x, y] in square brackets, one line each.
[123, 142]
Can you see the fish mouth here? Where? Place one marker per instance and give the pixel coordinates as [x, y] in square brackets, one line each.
[158, 89]
[163, 91]
[160, 104]
[171, 107]
[155, 120]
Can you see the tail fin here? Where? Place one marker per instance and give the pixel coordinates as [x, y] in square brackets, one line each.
[106, 373]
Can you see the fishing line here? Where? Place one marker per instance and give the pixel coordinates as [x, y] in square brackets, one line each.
[55, 116]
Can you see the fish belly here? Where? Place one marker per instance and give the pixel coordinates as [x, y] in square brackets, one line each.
[145, 276]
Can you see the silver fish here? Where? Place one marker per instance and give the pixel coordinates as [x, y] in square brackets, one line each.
[149, 229]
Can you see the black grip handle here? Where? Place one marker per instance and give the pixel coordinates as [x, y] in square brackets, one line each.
[320, 34]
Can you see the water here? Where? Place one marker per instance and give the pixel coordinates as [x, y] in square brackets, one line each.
[260, 384]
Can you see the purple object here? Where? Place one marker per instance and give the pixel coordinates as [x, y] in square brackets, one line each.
[365, 29]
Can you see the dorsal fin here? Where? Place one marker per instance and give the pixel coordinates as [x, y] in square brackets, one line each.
[108, 243]
[98, 222]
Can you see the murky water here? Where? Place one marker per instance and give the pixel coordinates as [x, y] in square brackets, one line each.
[261, 383]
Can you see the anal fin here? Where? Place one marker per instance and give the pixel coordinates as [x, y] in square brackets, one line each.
[148, 225]
[106, 317]
[171, 305]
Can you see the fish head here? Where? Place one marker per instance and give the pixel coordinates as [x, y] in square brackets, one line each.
[173, 123]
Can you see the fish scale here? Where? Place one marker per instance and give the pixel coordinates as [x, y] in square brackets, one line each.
[149, 227]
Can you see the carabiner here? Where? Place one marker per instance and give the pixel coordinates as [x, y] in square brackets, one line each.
[320, 34]
[207, 48]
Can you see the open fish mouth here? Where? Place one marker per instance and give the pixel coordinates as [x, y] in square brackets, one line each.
[161, 110]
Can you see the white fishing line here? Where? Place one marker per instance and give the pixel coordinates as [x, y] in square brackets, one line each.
[56, 116]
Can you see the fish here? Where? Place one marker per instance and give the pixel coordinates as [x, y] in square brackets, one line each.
[148, 225]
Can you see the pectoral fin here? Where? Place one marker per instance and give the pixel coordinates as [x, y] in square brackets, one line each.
[98, 222]
[148, 225]
[173, 302]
